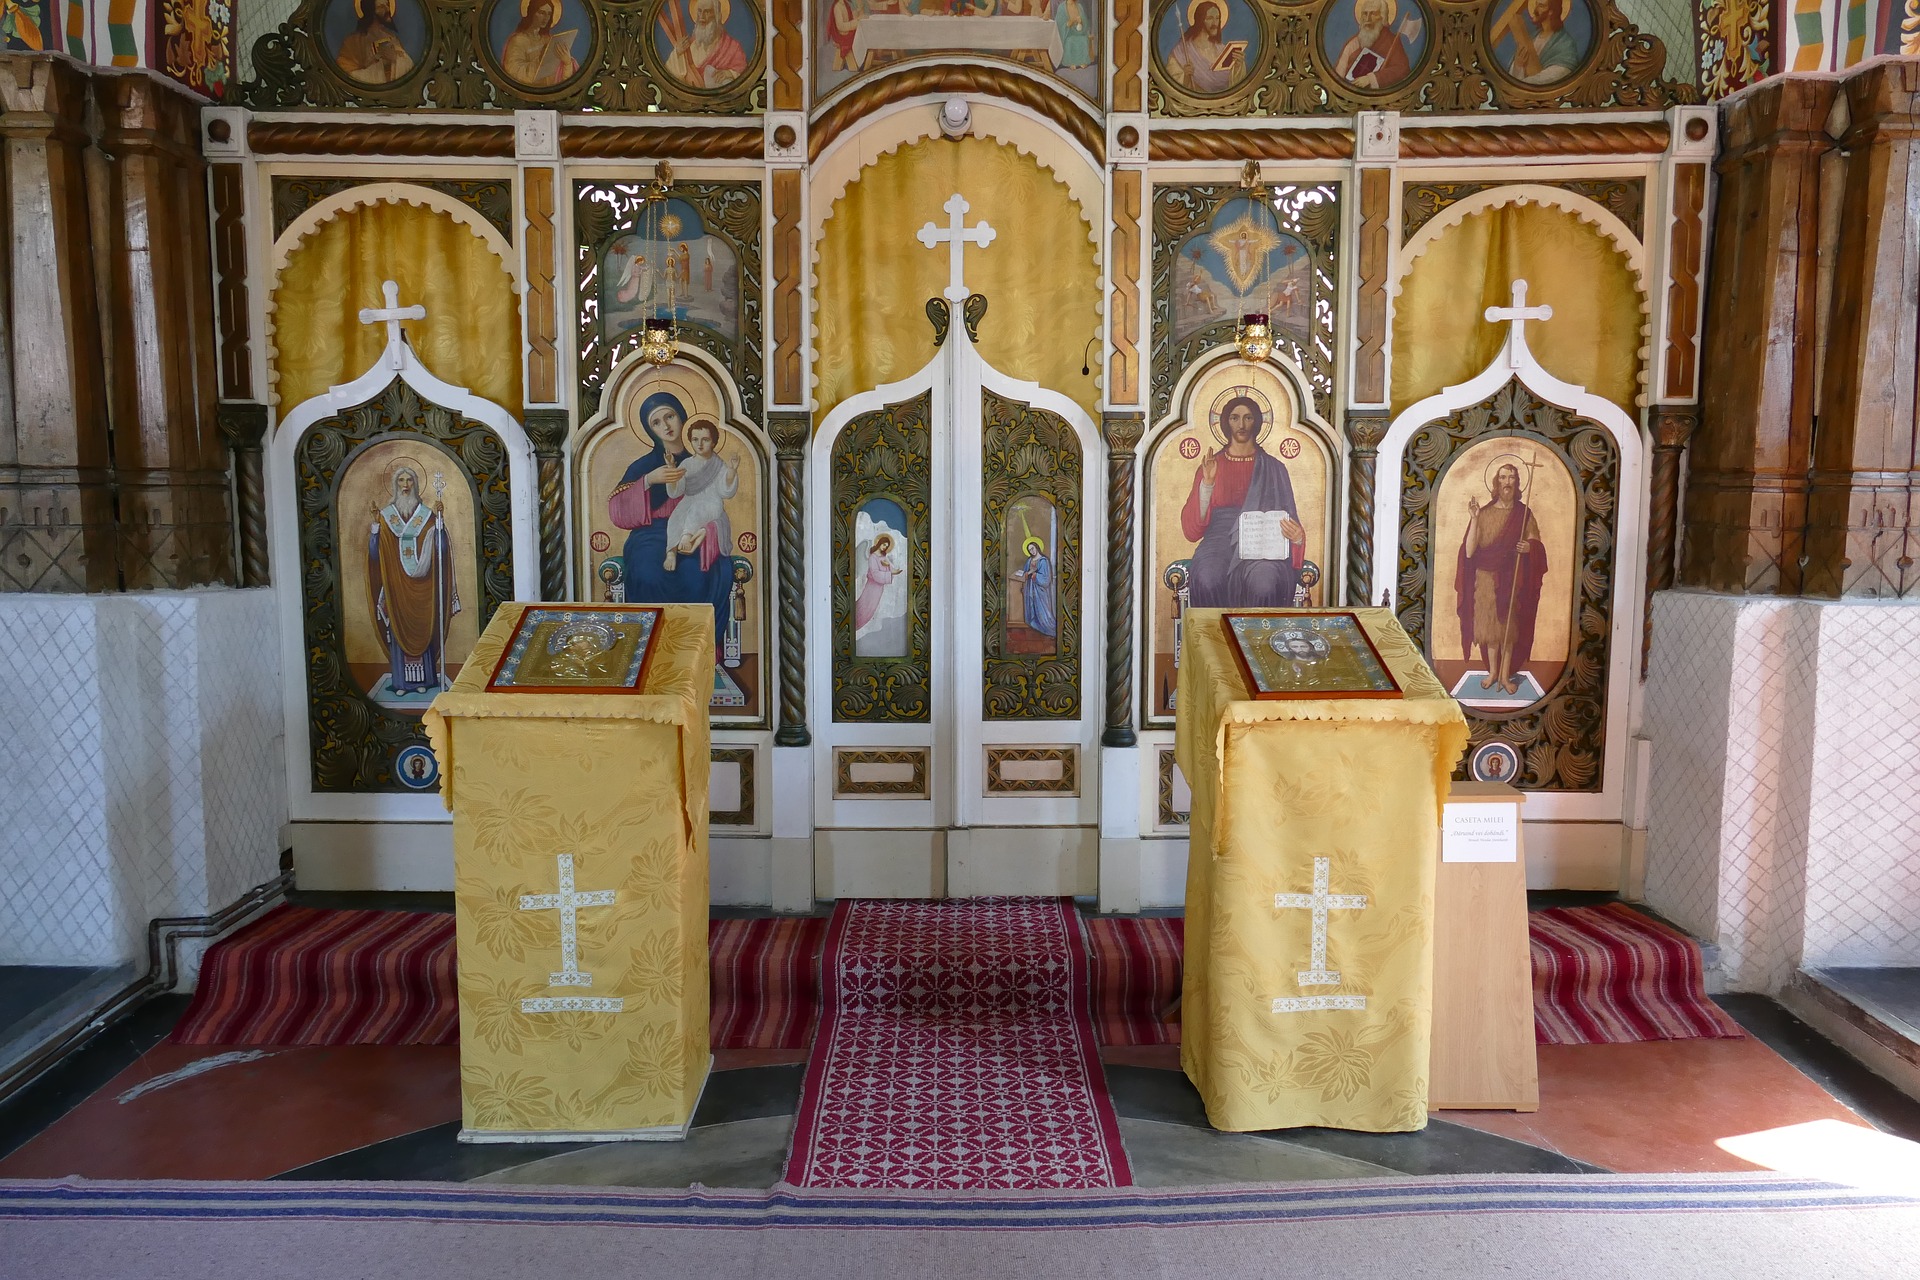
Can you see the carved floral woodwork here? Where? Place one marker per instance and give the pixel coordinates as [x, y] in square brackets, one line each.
[1562, 738]
[885, 453]
[1026, 451]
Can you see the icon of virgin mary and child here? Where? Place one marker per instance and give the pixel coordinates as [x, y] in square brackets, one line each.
[672, 502]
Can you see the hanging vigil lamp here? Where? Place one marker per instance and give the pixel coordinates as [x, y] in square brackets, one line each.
[660, 335]
[1253, 339]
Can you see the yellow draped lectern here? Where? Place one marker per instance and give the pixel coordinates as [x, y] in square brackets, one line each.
[1310, 888]
[580, 870]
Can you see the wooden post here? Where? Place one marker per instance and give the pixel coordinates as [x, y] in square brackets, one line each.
[1483, 1047]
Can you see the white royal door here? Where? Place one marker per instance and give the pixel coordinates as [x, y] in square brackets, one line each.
[955, 628]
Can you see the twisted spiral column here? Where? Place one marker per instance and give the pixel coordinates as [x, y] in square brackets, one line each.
[244, 427]
[1123, 432]
[1673, 426]
[547, 429]
[792, 432]
[1365, 430]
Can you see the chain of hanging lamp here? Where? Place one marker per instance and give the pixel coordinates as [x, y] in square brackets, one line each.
[660, 339]
[1253, 336]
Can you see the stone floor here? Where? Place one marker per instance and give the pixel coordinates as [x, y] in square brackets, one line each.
[131, 1106]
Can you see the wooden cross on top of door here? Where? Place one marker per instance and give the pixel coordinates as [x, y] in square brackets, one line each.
[956, 236]
[391, 315]
[1516, 316]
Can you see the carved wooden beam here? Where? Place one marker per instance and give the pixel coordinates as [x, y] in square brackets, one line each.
[1250, 144]
[661, 142]
[1457, 142]
[792, 433]
[1123, 432]
[917, 80]
[355, 138]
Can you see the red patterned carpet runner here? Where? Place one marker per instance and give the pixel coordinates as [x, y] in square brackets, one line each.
[1610, 975]
[1136, 979]
[304, 976]
[956, 1052]
[766, 981]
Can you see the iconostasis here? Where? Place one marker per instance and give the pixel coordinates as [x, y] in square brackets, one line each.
[553, 181]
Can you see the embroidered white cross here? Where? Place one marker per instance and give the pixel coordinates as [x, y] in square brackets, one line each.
[956, 237]
[1320, 902]
[568, 903]
[1517, 316]
[391, 315]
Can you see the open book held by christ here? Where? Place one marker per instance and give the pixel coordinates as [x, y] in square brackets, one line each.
[1262, 538]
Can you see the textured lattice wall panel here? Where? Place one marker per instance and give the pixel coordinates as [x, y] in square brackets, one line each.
[142, 771]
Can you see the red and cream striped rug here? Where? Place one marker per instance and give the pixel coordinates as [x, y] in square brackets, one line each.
[956, 1053]
[299, 975]
[1611, 975]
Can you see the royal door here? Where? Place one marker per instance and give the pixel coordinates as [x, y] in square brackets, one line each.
[954, 624]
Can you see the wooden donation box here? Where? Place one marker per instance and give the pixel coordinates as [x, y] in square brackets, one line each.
[1484, 1056]
[573, 753]
[1318, 746]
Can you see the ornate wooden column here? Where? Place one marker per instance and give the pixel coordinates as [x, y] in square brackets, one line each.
[792, 433]
[547, 429]
[1747, 484]
[170, 465]
[1673, 426]
[57, 528]
[1860, 498]
[244, 426]
[1365, 431]
[1123, 432]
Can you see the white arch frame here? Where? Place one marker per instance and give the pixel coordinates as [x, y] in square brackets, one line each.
[1516, 361]
[956, 739]
[396, 363]
[1332, 448]
[587, 435]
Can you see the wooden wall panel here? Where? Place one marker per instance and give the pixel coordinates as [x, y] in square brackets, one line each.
[789, 263]
[1123, 309]
[543, 294]
[1370, 318]
[1684, 262]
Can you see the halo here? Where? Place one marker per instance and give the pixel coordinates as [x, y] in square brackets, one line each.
[1193, 10]
[724, 7]
[1493, 468]
[398, 465]
[1267, 416]
[1032, 545]
[690, 392]
[600, 631]
[1393, 12]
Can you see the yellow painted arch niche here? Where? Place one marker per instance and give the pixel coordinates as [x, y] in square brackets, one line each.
[1595, 338]
[1041, 276]
[471, 334]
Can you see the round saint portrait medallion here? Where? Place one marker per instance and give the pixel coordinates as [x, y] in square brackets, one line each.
[1494, 762]
[415, 768]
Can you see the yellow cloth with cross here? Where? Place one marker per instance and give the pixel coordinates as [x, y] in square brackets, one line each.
[1335, 798]
[618, 782]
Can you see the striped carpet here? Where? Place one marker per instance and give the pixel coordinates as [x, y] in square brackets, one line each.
[1136, 979]
[304, 976]
[1580, 1227]
[1611, 975]
[766, 981]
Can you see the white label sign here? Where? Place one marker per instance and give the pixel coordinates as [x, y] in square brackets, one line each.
[1480, 832]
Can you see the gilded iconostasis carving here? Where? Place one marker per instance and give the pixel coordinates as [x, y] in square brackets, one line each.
[1336, 57]
[699, 257]
[685, 56]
